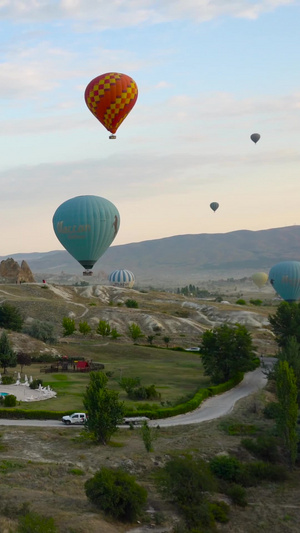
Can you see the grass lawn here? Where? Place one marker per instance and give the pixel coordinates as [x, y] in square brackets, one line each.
[175, 374]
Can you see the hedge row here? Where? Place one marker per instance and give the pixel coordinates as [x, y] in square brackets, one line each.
[164, 412]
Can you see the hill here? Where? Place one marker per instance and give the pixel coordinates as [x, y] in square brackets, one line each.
[181, 259]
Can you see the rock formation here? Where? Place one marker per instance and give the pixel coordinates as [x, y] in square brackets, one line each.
[11, 271]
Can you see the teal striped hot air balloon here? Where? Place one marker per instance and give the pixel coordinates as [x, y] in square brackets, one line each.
[86, 226]
[285, 279]
[122, 278]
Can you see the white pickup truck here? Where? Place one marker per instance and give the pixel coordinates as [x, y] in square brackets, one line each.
[75, 418]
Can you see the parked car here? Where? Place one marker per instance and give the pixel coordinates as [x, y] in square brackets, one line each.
[135, 420]
[75, 418]
[194, 349]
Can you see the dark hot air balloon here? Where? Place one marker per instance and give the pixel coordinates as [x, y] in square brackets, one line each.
[86, 226]
[110, 97]
[255, 137]
[214, 206]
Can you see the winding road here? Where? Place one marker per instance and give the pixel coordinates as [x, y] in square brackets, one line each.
[210, 409]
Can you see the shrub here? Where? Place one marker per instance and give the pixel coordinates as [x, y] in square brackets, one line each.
[84, 328]
[35, 523]
[131, 303]
[10, 400]
[240, 302]
[43, 331]
[272, 410]
[36, 383]
[237, 493]
[225, 467]
[264, 447]
[239, 429]
[116, 493]
[220, 511]
[255, 302]
[10, 317]
[187, 482]
[8, 380]
[68, 325]
[254, 473]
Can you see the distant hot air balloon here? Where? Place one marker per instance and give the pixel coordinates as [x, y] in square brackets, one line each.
[285, 279]
[255, 137]
[122, 278]
[110, 97]
[260, 279]
[86, 226]
[214, 206]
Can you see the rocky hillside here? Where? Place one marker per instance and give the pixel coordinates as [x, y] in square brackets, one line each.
[160, 315]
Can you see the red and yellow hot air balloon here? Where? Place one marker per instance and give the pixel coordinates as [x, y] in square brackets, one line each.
[110, 97]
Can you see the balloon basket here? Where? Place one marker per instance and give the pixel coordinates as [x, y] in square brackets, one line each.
[112, 137]
[87, 273]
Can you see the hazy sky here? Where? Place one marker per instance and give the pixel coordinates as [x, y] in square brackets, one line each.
[209, 73]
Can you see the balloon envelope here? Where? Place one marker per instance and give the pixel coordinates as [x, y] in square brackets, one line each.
[260, 279]
[214, 206]
[110, 97]
[285, 279]
[122, 278]
[255, 137]
[86, 226]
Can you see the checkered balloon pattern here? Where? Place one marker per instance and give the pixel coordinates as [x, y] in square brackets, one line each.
[110, 97]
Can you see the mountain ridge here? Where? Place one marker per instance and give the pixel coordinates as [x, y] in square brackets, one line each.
[181, 258]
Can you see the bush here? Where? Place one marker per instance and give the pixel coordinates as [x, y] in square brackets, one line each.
[10, 400]
[225, 467]
[10, 317]
[237, 493]
[255, 302]
[36, 383]
[254, 473]
[240, 302]
[43, 331]
[8, 380]
[264, 447]
[272, 410]
[131, 303]
[35, 523]
[220, 511]
[116, 493]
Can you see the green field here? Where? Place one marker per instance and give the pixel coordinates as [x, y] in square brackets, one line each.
[175, 374]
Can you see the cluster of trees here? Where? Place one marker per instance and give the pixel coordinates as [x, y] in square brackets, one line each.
[192, 290]
[136, 391]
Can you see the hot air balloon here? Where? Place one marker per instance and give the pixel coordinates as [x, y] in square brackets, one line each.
[110, 97]
[122, 278]
[255, 137]
[285, 279]
[260, 279]
[86, 226]
[214, 206]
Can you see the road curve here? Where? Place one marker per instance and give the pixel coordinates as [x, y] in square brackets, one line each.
[210, 409]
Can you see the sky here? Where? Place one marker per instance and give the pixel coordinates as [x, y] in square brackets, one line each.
[209, 73]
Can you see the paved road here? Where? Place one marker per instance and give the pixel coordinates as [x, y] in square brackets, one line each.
[210, 409]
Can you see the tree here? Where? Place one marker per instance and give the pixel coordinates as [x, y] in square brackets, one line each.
[69, 326]
[286, 322]
[44, 331]
[10, 317]
[287, 419]
[23, 359]
[166, 341]
[135, 331]
[103, 328]
[150, 339]
[84, 328]
[8, 357]
[103, 407]
[128, 384]
[114, 334]
[116, 493]
[290, 353]
[226, 351]
[149, 435]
